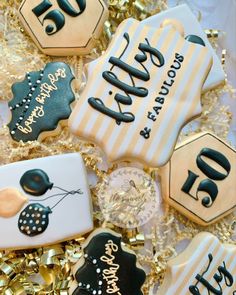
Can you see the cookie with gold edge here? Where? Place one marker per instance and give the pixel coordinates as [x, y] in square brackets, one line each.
[40, 102]
[64, 27]
[199, 179]
[141, 92]
[107, 267]
[206, 267]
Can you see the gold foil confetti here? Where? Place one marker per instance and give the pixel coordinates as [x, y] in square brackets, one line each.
[52, 264]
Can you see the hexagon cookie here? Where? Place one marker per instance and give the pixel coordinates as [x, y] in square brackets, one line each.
[205, 267]
[199, 180]
[141, 92]
[63, 27]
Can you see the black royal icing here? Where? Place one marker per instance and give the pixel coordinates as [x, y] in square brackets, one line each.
[40, 101]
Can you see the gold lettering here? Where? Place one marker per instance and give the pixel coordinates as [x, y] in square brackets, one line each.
[24, 130]
[110, 274]
[45, 92]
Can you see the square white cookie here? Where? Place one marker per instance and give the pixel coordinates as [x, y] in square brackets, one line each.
[183, 14]
[44, 201]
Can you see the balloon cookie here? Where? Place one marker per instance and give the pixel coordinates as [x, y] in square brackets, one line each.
[199, 179]
[40, 101]
[64, 27]
[44, 201]
[186, 22]
[205, 267]
[141, 92]
[107, 267]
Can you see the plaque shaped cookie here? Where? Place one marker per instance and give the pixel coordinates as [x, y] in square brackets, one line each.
[141, 92]
[205, 267]
[199, 179]
[44, 201]
[107, 267]
[40, 102]
[191, 26]
[63, 27]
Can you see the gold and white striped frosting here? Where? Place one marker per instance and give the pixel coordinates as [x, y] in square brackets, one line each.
[205, 267]
[159, 103]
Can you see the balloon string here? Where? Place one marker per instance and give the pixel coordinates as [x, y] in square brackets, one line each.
[62, 189]
[67, 194]
[42, 200]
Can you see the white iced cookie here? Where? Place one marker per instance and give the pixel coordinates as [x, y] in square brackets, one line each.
[182, 14]
[141, 92]
[49, 201]
[205, 267]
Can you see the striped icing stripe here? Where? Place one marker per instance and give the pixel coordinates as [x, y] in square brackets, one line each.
[183, 277]
[182, 103]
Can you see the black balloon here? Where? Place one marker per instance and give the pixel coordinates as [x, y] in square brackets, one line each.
[34, 220]
[35, 182]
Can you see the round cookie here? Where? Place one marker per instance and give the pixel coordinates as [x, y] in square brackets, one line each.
[129, 197]
[40, 102]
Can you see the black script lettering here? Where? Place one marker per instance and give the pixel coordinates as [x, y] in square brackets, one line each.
[129, 69]
[125, 98]
[98, 104]
[146, 48]
[112, 79]
[223, 273]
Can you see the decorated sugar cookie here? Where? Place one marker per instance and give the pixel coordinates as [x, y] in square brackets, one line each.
[44, 201]
[64, 27]
[107, 267]
[40, 102]
[129, 197]
[141, 92]
[205, 267]
[190, 26]
[199, 179]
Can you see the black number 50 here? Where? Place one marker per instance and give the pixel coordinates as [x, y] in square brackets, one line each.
[207, 185]
[56, 16]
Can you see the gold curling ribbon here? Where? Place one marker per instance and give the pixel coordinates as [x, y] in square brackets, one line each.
[223, 57]
[212, 33]
[7, 270]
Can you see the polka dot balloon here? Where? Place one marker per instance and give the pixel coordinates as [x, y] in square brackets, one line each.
[34, 220]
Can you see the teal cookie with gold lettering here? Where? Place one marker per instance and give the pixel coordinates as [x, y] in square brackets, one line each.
[40, 102]
[107, 267]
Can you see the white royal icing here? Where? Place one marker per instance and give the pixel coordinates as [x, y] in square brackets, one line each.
[71, 217]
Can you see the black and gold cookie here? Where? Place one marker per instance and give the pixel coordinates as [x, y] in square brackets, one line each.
[107, 267]
[40, 101]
